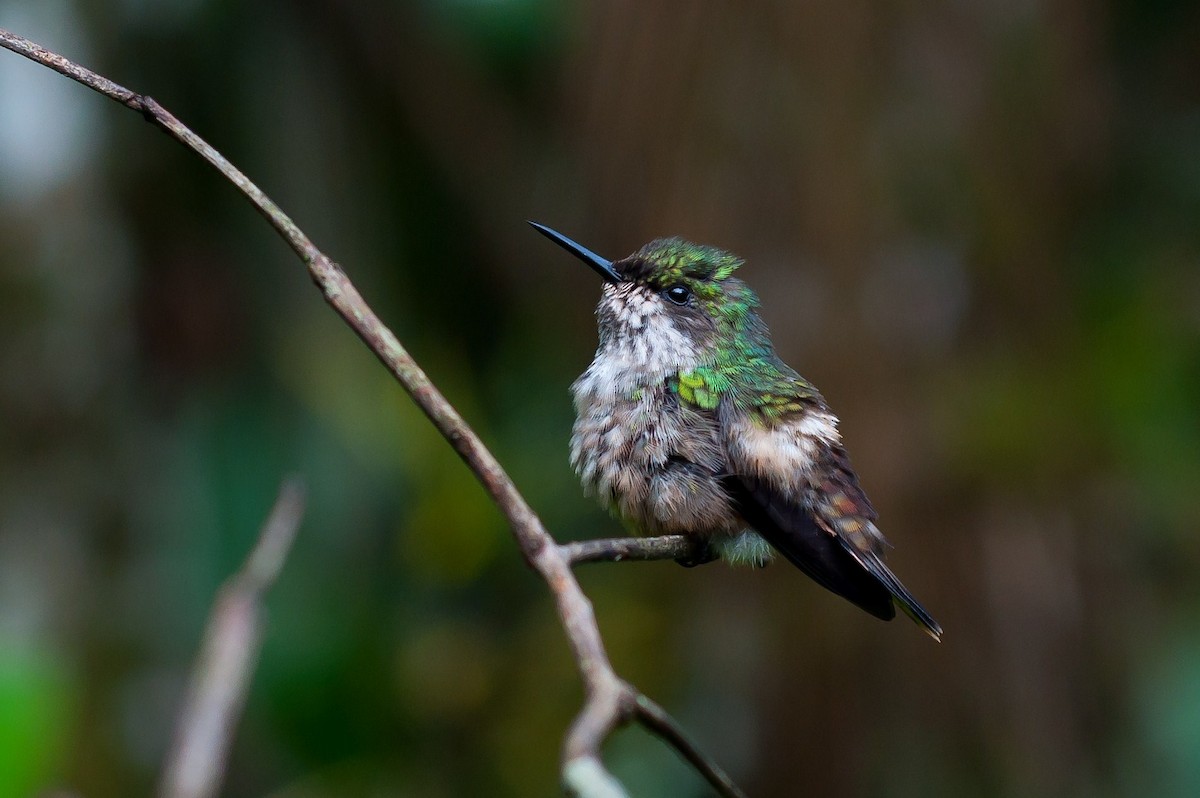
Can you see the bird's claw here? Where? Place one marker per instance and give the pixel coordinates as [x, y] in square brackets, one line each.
[702, 552]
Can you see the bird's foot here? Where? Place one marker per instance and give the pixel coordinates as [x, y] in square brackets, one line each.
[702, 552]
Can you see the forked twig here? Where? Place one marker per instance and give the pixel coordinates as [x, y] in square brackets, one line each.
[609, 702]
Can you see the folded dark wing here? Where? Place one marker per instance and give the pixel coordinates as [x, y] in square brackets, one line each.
[791, 529]
[792, 481]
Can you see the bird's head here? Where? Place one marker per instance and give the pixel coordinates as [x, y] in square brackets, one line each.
[671, 299]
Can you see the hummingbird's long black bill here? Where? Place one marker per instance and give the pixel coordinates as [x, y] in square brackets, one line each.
[600, 265]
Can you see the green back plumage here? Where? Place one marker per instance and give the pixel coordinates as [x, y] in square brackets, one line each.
[742, 364]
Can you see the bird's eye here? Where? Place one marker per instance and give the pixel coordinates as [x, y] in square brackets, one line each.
[679, 294]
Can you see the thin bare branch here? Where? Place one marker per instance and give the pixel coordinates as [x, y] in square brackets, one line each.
[608, 701]
[664, 547]
[35, 52]
[221, 676]
[657, 721]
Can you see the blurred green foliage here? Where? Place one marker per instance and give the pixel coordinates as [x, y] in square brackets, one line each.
[36, 699]
[973, 225]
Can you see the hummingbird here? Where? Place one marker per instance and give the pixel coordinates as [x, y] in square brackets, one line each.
[688, 423]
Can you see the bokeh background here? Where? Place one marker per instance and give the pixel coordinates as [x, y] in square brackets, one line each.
[973, 224]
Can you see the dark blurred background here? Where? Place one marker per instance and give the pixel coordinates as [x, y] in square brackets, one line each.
[973, 224]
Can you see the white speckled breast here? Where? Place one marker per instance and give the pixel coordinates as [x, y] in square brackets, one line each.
[636, 449]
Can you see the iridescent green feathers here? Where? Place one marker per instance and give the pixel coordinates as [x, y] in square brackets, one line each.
[743, 365]
[667, 260]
